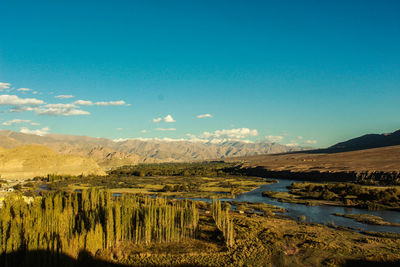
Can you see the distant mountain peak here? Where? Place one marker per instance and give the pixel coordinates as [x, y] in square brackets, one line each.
[368, 141]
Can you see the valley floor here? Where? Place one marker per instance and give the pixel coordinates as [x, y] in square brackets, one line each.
[262, 235]
[266, 241]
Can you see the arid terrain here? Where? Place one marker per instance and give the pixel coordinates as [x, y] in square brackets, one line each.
[29, 161]
[371, 152]
[385, 159]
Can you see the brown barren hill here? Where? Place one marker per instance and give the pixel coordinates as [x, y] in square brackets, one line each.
[371, 156]
[35, 160]
[386, 159]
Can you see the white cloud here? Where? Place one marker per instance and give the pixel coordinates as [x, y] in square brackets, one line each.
[145, 139]
[232, 134]
[216, 137]
[4, 86]
[111, 103]
[143, 131]
[204, 116]
[64, 96]
[221, 136]
[21, 109]
[274, 138]
[19, 121]
[13, 100]
[311, 142]
[83, 103]
[119, 140]
[167, 118]
[101, 103]
[40, 132]
[24, 90]
[300, 137]
[165, 129]
[60, 105]
[292, 144]
[119, 129]
[60, 111]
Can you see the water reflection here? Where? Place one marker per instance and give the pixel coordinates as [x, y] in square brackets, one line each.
[320, 214]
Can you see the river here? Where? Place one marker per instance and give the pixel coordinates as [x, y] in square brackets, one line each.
[316, 214]
[319, 214]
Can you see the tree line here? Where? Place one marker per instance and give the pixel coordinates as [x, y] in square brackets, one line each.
[223, 221]
[92, 220]
[207, 169]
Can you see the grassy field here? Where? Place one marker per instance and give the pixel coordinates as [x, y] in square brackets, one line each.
[174, 186]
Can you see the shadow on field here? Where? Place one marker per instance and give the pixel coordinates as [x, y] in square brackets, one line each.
[363, 263]
[43, 258]
[50, 259]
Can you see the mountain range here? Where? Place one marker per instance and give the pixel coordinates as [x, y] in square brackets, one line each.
[110, 153]
[27, 155]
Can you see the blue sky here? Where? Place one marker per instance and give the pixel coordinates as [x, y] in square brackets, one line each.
[279, 70]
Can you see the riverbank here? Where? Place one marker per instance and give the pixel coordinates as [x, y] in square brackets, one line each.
[368, 219]
[340, 194]
[322, 214]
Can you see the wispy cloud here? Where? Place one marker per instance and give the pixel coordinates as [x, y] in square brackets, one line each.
[112, 103]
[19, 104]
[83, 103]
[311, 142]
[40, 132]
[292, 144]
[60, 111]
[24, 90]
[101, 103]
[60, 105]
[165, 129]
[4, 86]
[216, 137]
[274, 138]
[208, 115]
[145, 139]
[300, 137]
[231, 134]
[13, 100]
[64, 96]
[19, 121]
[167, 118]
